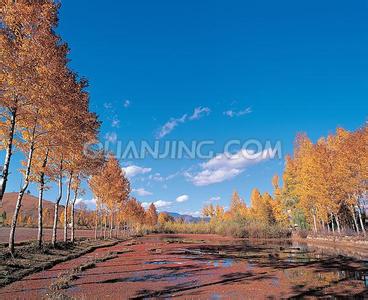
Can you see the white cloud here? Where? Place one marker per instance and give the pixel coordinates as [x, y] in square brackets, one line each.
[182, 198]
[199, 112]
[196, 213]
[156, 177]
[107, 105]
[115, 122]
[141, 192]
[170, 126]
[132, 170]
[232, 113]
[91, 203]
[111, 137]
[226, 166]
[159, 204]
[126, 103]
[215, 199]
[207, 177]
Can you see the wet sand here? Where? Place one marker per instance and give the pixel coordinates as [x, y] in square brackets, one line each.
[205, 267]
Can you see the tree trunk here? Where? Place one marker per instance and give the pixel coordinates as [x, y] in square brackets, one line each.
[96, 224]
[111, 224]
[352, 210]
[66, 208]
[117, 230]
[101, 224]
[40, 200]
[105, 226]
[315, 223]
[338, 223]
[21, 194]
[332, 223]
[56, 211]
[361, 220]
[72, 215]
[8, 155]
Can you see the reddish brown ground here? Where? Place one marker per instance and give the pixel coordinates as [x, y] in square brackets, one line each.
[203, 267]
[27, 234]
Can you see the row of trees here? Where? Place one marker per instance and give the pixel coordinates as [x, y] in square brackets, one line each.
[114, 205]
[325, 183]
[324, 187]
[263, 209]
[44, 108]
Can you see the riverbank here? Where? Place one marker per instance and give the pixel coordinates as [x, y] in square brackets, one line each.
[343, 245]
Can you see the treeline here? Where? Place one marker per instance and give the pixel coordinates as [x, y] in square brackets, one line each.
[323, 189]
[325, 183]
[45, 115]
[44, 110]
[115, 208]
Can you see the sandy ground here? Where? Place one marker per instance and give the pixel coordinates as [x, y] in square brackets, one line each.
[203, 267]
[26, 234]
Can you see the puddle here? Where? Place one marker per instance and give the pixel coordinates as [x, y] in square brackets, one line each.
[225, 263]
[162, 262]
[275, 281]
[149, 277]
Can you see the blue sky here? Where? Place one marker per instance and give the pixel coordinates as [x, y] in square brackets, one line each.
[280, 67]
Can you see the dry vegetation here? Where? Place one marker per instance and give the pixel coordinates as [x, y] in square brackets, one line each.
[30, 259]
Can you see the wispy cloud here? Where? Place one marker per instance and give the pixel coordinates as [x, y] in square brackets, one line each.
[132, 170]
[141, 192]
[199, 112]
[156, 177]
[126, 103]
[215, 199]
[170, 125]
[115, 122]
[111, 137]
[182, 198]
[226, 166]
[232, 113]
[107, 105]
[207, 177]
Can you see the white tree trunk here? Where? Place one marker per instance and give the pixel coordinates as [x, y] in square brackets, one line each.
[66, 208]
[96, 224]
[315, 223]
[72, 216]
[338, 223]
[56, 210]
[21, 194]
[361, 220]
[40, 201]
[8, 155]
[352, 210]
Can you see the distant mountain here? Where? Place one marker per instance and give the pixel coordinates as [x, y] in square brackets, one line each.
[29, 205]
[186, 218]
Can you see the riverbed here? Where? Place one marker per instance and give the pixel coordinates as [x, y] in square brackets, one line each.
[207, 267]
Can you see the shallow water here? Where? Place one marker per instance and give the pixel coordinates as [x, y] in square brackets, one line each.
[300, 263]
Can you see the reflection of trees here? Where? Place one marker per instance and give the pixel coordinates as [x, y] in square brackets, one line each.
[304, 276]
